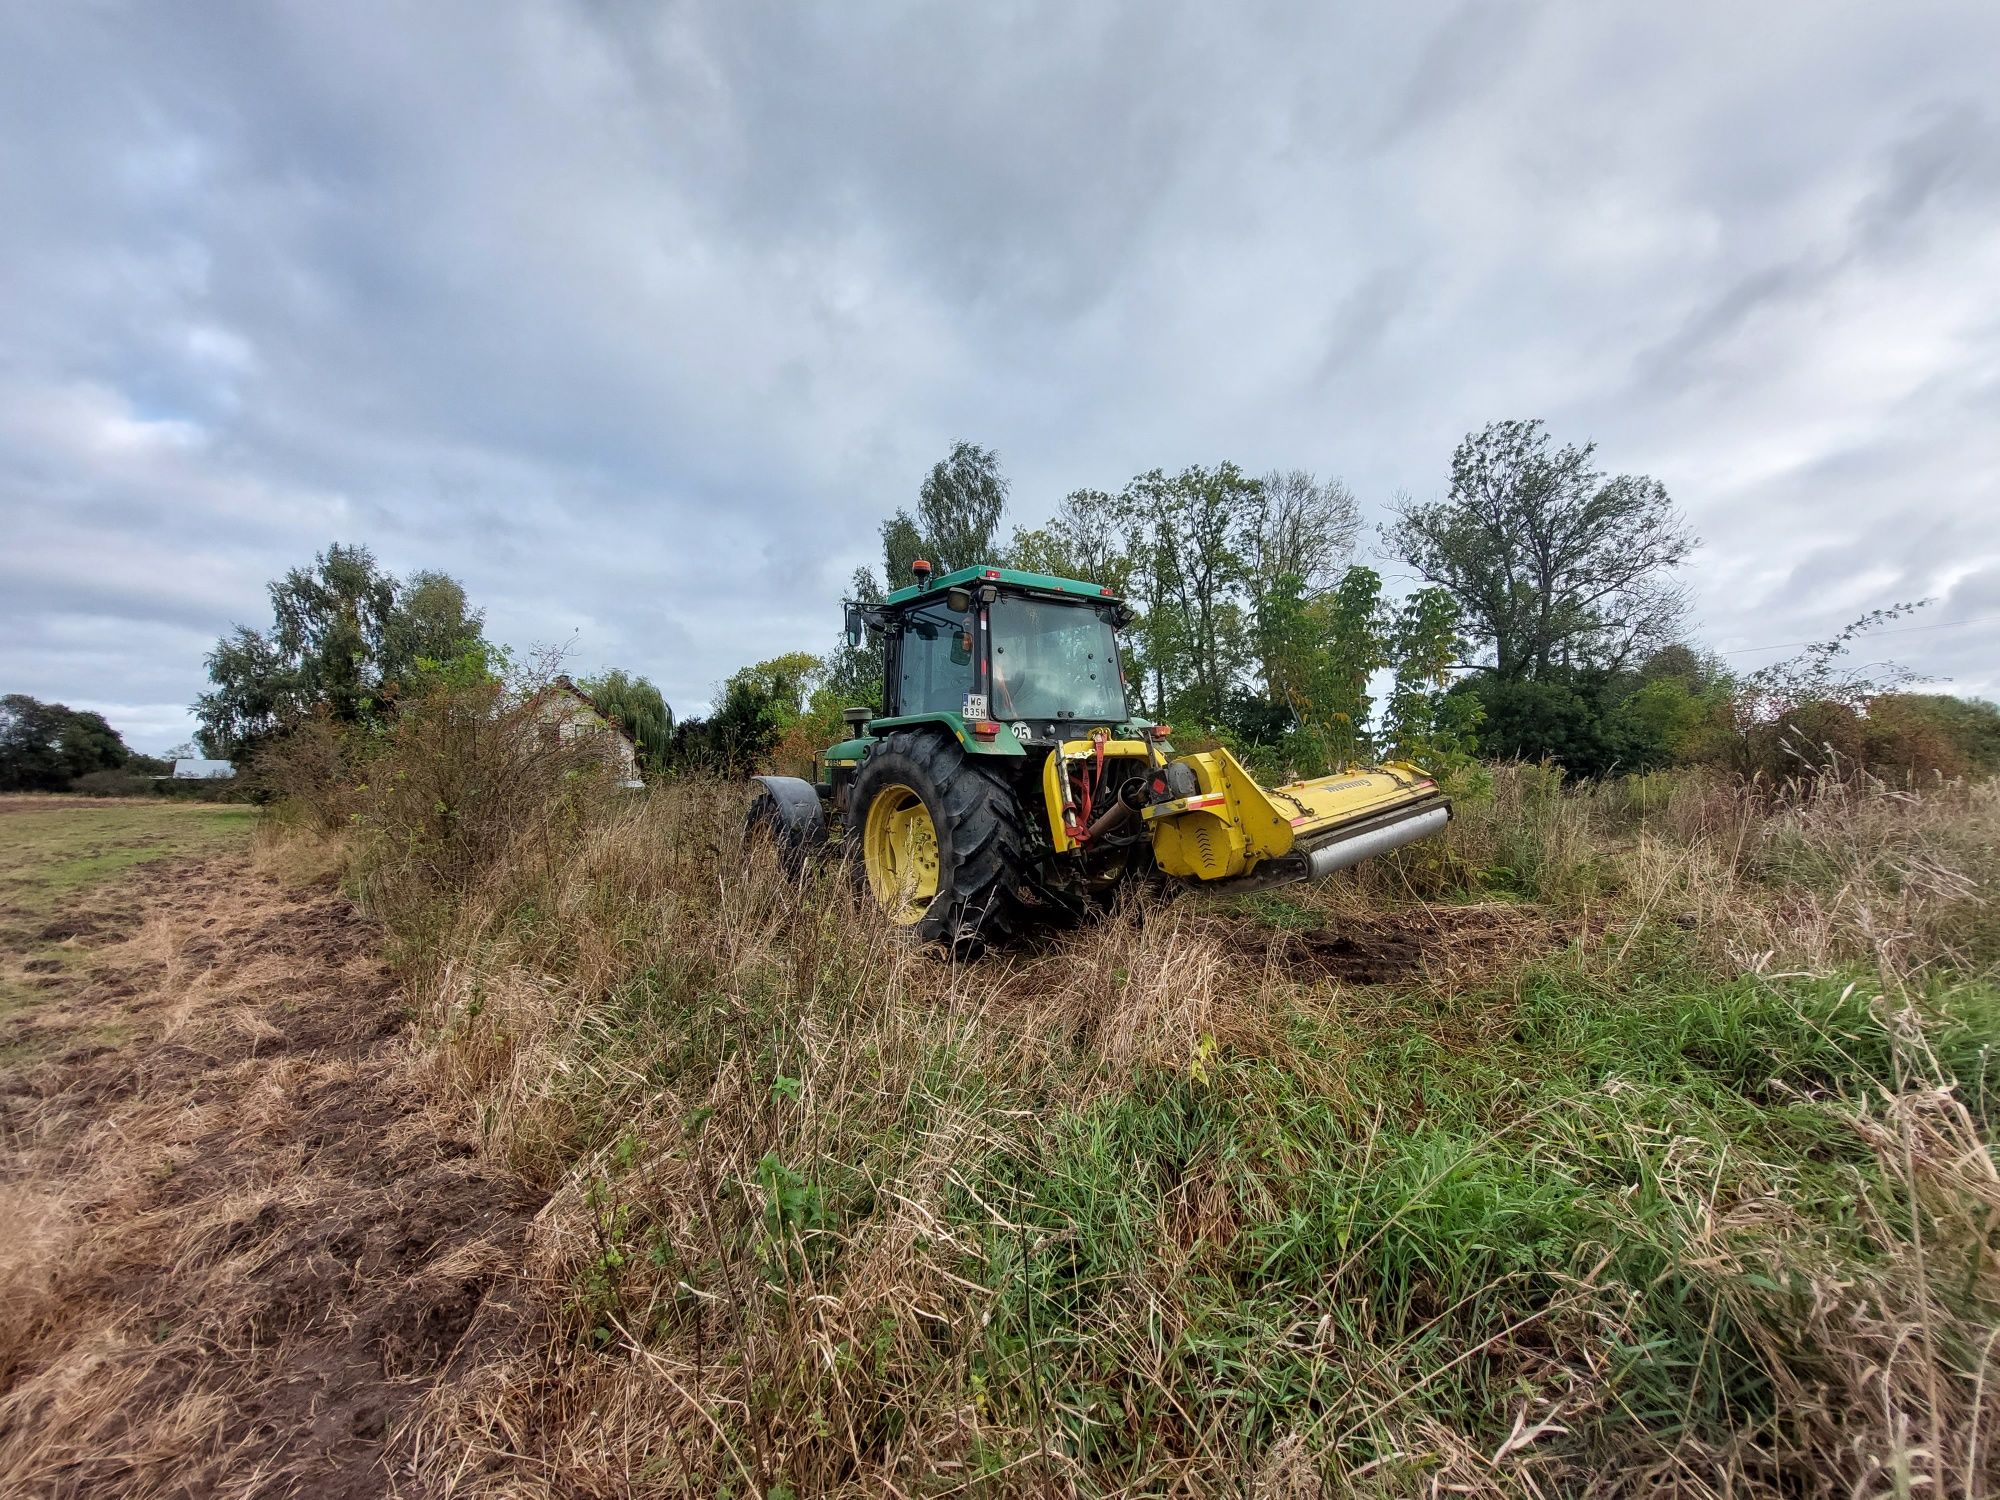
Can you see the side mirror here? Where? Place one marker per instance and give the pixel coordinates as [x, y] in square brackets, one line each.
[854, 627]
[958, 601]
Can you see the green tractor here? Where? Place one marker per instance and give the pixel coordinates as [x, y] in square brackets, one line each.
[1007, 782]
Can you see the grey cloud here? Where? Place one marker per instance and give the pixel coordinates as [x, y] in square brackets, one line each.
[639, 319]
[1460, 64]
[1950, 160]
[1365, 315]
[1954, 156]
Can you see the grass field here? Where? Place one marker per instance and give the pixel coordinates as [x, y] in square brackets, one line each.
[1628, 1140]
[59, 854]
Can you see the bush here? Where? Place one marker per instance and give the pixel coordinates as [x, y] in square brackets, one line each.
[466, 783]
[311, 767]
[113, 784]
[1895, 736]
[1543, 721]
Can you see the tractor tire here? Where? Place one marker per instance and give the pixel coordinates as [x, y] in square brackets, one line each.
[942, 841]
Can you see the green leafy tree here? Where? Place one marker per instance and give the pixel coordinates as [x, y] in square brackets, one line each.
[638, 708]
[1197, 534]
[902, 545]
[1557, 566]
[854, 672]
[346, 638]
[1676, 710]
[1658, 723]
[1089, 537]
[1305, 529]
[256, 689]
[87, 743]
[784, 684]
[31, 744]
[1423, 720]
[332, 628]
[1098, 538]
[756, 707]
[959, 507]
[429, 620]
[1321, 653]
[44, 747]
[1540, 720]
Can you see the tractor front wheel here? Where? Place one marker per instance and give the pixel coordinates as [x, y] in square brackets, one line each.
[941, 840]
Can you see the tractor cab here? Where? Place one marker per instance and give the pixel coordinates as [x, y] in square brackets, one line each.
[1011, 660]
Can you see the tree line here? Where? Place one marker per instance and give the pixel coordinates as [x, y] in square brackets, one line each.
[51, 747]
[1544, 619]
[1547, 621]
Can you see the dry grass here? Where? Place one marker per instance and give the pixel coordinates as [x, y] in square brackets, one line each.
[1636, 1140]
[1629, 1140]
[238, 1246]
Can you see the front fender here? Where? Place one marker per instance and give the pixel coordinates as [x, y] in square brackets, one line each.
[791, 808]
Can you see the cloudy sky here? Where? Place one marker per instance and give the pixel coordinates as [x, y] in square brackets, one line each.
[639, 318]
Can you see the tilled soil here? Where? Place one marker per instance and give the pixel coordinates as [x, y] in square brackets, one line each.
[1440, 944]
[235, 1248]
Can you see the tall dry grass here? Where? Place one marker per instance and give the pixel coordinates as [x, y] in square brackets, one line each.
[1654, 1155]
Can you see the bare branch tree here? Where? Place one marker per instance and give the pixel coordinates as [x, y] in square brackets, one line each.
[1307, 528]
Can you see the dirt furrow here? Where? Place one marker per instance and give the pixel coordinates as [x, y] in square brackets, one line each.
[236, 1243]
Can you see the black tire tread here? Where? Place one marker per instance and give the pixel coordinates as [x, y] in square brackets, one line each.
[986, 850]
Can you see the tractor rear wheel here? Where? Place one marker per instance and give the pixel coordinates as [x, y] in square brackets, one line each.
[941, 840]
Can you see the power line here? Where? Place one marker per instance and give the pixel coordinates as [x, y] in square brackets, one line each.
[1899, 630]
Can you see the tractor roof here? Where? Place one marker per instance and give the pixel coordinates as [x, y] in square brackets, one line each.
[1046, 583]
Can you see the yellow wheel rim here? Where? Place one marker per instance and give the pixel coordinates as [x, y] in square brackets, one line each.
[900, 849]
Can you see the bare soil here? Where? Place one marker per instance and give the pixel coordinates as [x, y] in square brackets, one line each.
[1441, 945]
[235, 1247]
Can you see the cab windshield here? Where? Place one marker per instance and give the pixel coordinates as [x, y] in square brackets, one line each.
[1055, 661]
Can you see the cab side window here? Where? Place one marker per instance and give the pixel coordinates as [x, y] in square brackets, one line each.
[934, 661]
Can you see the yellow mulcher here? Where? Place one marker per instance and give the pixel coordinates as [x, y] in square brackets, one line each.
[1006, 781]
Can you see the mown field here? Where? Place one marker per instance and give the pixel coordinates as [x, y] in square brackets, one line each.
[58, 854]
[238, 1242]
[1628, 1140]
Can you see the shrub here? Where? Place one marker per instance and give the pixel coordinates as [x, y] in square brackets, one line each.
[113, 784]
[1897, 736]
[468, 782]
[312, 767]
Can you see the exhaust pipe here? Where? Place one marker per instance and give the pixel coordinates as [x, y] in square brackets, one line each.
[1350, 849]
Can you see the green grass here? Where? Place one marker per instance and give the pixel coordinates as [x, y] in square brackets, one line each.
[1559, 1178]
[52, 852]
[1178, 1274]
